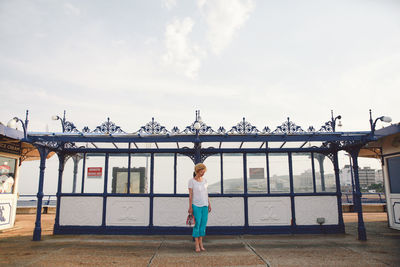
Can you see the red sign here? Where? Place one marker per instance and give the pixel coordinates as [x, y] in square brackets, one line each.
[94, 172]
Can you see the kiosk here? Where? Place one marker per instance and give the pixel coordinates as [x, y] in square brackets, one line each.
[10, 160]
[387, 148]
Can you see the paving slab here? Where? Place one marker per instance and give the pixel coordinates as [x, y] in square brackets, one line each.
[381, 249]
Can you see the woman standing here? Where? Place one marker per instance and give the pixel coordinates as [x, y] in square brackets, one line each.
[199, 204]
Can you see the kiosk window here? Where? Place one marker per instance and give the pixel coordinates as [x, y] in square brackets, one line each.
[7, 174]
[394, 174]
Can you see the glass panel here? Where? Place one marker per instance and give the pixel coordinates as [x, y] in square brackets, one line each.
[94, 173]
[279, 173]
[7, 174]
[184, 169]
[213, 174]
[72, 175]
[140, 173]
[164, 173]
[233, 173]
[302, 173]
[118, 174]
[394, 174]
[324, 174]
[257, 173]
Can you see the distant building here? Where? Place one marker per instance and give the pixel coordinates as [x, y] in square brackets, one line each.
[366, 176]
[379, 177]
[345, 175]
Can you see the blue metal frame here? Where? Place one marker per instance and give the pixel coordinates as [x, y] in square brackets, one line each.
[37, 232]
[197, 133]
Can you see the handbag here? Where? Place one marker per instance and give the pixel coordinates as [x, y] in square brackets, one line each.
[190, 220]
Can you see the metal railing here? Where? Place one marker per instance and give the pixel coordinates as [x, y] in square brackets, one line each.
[31, 201]
[366, 198]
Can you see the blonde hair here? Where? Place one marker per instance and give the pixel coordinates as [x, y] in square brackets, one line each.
[199, 166]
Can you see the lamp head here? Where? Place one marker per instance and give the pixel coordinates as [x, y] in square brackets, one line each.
[12, 123]
[386, 119]
[340, 124]
[55, 117]
[197, 125]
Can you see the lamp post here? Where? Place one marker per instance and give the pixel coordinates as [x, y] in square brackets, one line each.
[333, 121]
[13, 123]
[373, 123]
[62, 120]
[197, 143]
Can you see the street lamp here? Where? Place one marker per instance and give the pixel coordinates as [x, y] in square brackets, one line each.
[62, 120]
[197, 143]
[373, 124]
[333, 121]
[197, 123]
[13, 123]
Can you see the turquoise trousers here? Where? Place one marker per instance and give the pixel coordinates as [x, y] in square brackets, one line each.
[201, 216]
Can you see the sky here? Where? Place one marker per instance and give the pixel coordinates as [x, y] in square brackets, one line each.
[263, 60]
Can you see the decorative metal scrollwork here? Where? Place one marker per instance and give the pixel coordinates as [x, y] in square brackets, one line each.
[69, 145]
[288, 127]
[108, 127]
[85, 130]
[204, 129]
[175, 130]
[69, 127]
[244, 127]
[311, 129]
[53, 145]
[266, 130]
[153, 127]
[221, 130]
[327, 127]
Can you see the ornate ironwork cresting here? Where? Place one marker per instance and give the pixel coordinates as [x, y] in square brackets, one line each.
[330, 126]
[288, 127]
[198, 127]
[244, 127]
[153, 127]
[107, 127]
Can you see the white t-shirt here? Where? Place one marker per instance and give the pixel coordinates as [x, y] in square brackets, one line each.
[200, 194]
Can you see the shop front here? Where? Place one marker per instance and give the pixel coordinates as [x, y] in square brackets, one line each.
[10, 151]
[387, 149]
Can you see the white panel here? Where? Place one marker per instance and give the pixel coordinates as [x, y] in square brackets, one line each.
[396, 213]
[128, 211]
[170, 211]
[7, 210]
[308, 209]
[81, 211]
[226, 211]
[269, 211]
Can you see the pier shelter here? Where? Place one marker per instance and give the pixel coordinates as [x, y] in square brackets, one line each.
[261, 181]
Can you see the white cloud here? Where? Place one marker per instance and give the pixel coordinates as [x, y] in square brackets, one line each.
[182, 53]
[71, 9]
[169, 4]
[224, 18]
